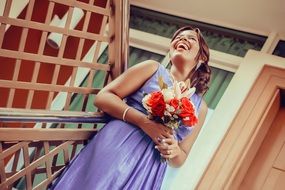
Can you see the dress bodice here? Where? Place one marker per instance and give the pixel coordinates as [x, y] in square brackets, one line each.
[151, 85]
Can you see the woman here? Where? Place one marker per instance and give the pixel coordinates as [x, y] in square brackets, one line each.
[126, 153]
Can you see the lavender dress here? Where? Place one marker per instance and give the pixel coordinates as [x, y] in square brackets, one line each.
[122, 156]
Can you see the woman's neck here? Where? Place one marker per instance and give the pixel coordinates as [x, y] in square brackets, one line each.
[181, 73]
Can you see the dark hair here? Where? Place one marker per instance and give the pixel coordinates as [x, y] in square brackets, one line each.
[200, 78]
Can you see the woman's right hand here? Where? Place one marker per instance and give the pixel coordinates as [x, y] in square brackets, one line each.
[155, 131]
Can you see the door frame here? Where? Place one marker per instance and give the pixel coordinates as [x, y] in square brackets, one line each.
[246, 132]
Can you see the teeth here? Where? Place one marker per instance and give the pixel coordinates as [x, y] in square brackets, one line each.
[181, 45]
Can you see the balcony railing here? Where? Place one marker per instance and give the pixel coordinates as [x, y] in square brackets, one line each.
[40, 149]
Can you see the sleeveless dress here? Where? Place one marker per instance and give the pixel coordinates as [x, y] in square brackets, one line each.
[121, 155]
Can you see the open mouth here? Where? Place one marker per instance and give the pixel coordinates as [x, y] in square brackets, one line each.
[182, 45]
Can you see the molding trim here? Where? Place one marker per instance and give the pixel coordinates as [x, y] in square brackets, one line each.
[271, 43]
[240, 143]
[193, 17]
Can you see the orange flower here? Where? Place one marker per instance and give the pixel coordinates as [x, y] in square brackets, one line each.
[188, 112]
[157, 104]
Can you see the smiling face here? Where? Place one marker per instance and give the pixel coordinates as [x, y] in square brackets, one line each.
[185, 47]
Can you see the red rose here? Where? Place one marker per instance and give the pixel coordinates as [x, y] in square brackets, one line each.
[157, 104]
[186, 107]
[191, 120]
[188, 112]
[174, 103]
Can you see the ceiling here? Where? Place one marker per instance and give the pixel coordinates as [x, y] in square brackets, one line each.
[255, 16]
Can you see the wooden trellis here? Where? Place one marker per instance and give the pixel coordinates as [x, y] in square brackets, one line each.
[31, 151]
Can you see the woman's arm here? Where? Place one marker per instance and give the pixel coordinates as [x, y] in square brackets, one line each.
[109, 99]
[180, 151]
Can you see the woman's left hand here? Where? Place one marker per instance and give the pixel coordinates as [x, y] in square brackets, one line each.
[168, 148]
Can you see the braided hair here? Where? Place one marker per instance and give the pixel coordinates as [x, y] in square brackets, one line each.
[200, 77]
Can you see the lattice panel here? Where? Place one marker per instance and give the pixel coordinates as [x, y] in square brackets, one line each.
[48, 48]
[31, 159]
[48, 58]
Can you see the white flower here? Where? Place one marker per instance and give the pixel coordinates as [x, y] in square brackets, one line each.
[170, 108]
[182, 89]
[168, 94]
[144, 102]
[189, 92]
[166, 113]
[175, 116]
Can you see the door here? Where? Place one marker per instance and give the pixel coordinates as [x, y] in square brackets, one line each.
[267, 170]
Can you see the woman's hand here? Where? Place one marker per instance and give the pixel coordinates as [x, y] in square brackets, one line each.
[155, 131]
[168, 147]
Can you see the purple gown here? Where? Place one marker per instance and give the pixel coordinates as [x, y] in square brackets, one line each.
[122, 156]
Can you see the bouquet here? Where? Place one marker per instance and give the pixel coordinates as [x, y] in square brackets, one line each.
[170, 106]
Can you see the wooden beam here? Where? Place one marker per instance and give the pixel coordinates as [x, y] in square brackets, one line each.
[30, 134]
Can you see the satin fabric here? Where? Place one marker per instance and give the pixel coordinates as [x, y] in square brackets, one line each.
[122, 156]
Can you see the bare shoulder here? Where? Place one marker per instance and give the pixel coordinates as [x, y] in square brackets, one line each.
[147, 66]
[140, 72]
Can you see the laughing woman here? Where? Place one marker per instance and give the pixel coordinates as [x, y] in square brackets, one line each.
[127, 152]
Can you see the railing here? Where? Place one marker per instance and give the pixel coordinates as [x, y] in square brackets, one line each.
[41, 149]
[41, 134]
